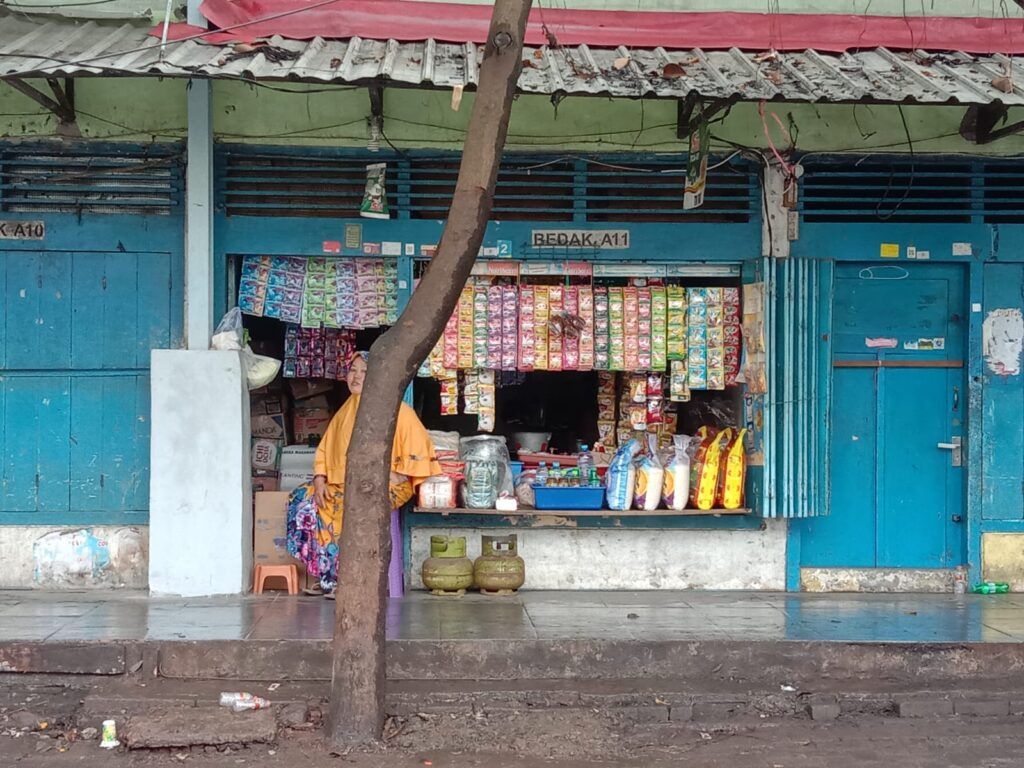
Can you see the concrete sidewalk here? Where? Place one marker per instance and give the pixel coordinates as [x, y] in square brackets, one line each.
[56, 617]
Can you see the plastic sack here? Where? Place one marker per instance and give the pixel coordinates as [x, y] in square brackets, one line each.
[488, 470]
[524, 488]
[732, 473]
[704, 467]
[229, 334]
[675, 489]
[438, 492]
[622, 477]
[649, 477]
[444, 441]
[259, 369]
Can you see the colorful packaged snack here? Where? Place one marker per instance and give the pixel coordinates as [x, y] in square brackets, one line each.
[541, 316]
[705, 467]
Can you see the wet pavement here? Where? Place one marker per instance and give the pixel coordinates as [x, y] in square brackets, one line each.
[650, 616]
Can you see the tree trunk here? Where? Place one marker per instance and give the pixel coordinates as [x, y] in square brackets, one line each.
[357, 690]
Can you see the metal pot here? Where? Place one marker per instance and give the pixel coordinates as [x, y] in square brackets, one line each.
[533, 442]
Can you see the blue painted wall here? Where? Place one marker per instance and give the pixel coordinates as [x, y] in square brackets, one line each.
[82, 310]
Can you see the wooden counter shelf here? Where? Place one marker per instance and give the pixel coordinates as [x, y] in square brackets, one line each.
[583, 512]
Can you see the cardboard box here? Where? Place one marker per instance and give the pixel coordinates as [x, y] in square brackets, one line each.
[272, 427]
[302, 389]
[266, 454]
[310, 423]
[263, 403]
[265, 481]
[270, 530]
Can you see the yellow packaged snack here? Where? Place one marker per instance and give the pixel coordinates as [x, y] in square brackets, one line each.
[706, 465]
[732, 473]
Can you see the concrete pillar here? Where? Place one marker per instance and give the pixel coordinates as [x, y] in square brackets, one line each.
[199, 208]
[200, 509]
[774, 216]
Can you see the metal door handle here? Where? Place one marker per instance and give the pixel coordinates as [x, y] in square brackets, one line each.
[955, 446]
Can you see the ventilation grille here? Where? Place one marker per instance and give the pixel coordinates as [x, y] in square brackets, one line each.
[898, 191]
[654, 193]
[279, 185]
[528, 188]
[525, 190]
[1004, 193]
[69, 180]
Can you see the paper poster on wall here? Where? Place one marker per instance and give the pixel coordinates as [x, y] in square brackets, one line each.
[925, 345]
[881, 343]
[1002, 341]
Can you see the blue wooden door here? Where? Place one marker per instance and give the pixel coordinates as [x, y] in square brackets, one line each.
[897, 494]
[75, 337]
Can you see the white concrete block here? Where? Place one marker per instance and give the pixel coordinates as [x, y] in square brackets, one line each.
[200, 497]
[618, 558]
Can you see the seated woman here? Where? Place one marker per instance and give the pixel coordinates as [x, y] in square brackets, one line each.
[316, 510]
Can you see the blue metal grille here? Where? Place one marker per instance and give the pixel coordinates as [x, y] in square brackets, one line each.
[91, 178]
[529, 188]
[904, 190]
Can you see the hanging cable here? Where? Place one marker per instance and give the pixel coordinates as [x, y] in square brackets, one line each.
[892, 173]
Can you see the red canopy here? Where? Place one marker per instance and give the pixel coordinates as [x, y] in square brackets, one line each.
[404, 21]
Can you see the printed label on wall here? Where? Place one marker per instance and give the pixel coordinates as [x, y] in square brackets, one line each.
[22, 230]
[612, 239]
[1002, 340]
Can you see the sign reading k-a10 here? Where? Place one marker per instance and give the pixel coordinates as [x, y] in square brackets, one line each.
[22, 230]
[611, 239]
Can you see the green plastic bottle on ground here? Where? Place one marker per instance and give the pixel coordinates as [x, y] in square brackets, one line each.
[991, 588]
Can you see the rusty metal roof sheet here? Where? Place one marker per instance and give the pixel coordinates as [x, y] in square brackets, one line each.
[30, 48]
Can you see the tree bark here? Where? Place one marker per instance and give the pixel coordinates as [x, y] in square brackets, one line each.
[357, 690]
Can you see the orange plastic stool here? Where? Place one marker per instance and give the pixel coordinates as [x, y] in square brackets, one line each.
[290, 573]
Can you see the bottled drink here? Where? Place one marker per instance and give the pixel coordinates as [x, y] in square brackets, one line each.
[586, 465]
[991, 588]
[542, 474]
[595, 479]
[556, 474]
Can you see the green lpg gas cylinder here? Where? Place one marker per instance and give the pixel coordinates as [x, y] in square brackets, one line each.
[448, 571]
[499, 570]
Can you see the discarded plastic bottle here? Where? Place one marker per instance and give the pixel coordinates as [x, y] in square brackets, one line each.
[228, 698]
[991, 588]
[255, 702]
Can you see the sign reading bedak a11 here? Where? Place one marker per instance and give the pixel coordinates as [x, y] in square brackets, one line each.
[612, 239]
[22, 230]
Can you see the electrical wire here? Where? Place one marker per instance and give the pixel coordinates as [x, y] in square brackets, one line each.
[892, 174]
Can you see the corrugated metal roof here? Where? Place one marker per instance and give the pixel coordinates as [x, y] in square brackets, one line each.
[878, 74]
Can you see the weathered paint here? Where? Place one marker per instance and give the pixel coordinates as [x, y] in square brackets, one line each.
[567, 558]
[1002, 339]
[1002, 558]
[1002, 452]
[47, 557]
[876, 580]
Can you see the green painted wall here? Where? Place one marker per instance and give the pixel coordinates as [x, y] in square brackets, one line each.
[153, 110]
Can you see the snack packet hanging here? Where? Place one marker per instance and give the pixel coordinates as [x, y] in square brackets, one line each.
[622, 477]
[675, 488]
[649, 478]
[375, 200]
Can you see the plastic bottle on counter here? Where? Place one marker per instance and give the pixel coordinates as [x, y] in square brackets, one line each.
[556, 478]
[585, 464]
[542, 474]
